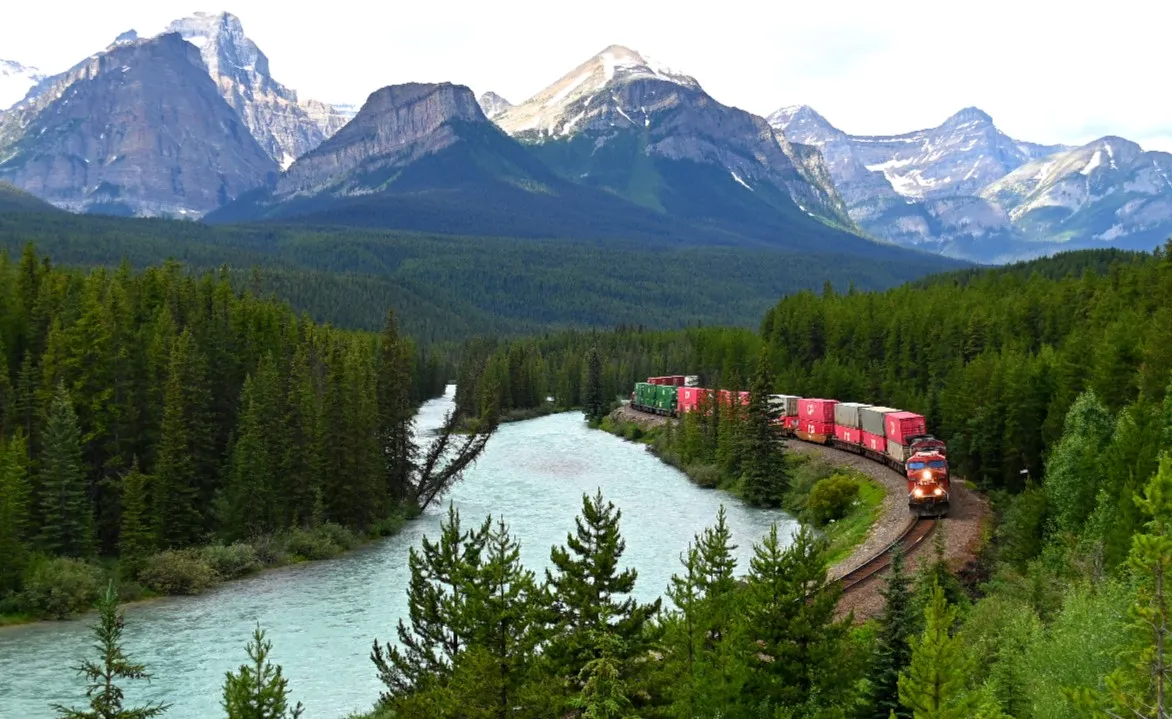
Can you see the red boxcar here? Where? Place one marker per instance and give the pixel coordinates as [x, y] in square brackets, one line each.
[899, 426]
[726, 396]
[848, 434]
[816, 428]
[688, 398]
[874, 442]
[816, 410]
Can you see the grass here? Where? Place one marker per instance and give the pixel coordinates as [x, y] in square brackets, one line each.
[849, 532]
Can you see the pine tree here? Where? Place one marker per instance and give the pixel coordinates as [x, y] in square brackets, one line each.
[936, 682]
[66, 510]
[396, 414]
[254, 500]
[1073, 472]
[893, 642]
[437, 599]
[186, 449]
[303, 461]
[604, 692]
[105, 696]
[258, 689]
[765, 477]
[588, 594]
[592, 396]
[137, 537]
[14, 505]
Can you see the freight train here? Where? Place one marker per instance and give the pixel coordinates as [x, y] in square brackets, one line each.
[893, 437]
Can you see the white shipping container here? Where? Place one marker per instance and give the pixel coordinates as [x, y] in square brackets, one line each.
[846, 414]
[872, 419]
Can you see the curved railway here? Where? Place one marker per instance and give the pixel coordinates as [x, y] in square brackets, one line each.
[912, 537]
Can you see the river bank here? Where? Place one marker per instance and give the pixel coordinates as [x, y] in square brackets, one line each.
[846, 531]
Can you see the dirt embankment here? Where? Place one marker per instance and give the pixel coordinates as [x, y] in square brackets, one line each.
[962, 529]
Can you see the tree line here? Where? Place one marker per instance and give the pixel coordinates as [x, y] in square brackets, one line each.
[156, 410]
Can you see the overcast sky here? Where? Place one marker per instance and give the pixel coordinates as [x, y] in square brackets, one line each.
[1046, 71]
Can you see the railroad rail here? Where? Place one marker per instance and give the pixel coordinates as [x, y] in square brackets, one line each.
[912, 536]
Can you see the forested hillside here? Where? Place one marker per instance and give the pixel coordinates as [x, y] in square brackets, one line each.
[447, 287]
[152, 411]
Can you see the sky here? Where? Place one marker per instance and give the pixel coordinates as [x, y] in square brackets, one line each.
[1048, 72]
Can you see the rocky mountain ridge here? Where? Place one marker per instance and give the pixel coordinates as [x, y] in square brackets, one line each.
[15, 82]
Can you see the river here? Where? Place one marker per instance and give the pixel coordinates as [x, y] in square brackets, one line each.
[322, 616]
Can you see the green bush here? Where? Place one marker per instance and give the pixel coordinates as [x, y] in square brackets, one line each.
[270, 551]
[177, 572]
[231, 561]
[387, 527]
[310, 544]
[55, 588]
[831, 499]
[339, 535]
[706, 475]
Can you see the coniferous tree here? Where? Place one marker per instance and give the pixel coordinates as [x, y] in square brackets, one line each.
[396, 414]
[258, 689]
[303, 460]
[438, 607]
[893, 643]
[765, 477]
[935, 685]
[67, 523]
[592, 396]
[604, 694]
[186, 446]
[136, 540]
[254, 499]
[587, 593]
[102, 676]
[15, 493]
[1073, 472]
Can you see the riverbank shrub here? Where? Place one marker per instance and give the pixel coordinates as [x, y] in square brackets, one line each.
[177, 571]
[232, 561]
[830, 499]
[311, 544]
[58, 587]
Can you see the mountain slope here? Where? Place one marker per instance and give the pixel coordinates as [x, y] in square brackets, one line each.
[13, 199]
[624, 123]
[922, 188]
[493, 104]
[138, 129]
[1108, 190]
[283, 126]
[15, 82]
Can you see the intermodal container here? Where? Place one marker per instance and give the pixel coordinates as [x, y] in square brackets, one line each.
[688, 398]
[849, 435]
[817, 410]
[874, 442]
[665, 397]
[792, 422]
[900, 426]
[727, 396]
[692, 380]
[744, 398]
[846, 414]
[645, 394]
[871, 419]
[897, 451]
[817, 428]
[786, 405]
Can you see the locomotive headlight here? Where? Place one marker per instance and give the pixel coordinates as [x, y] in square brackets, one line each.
[918, 492]
[927, 475]
[938, 491]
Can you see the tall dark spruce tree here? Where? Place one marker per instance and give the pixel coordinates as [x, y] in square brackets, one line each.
[893, 654]
[396, 413]
[15, 495]
[592, 397]
[67, 520]
[588, 596]
[765, 475]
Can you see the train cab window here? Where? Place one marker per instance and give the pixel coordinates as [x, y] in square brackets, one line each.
[937, 464]
[915, 465]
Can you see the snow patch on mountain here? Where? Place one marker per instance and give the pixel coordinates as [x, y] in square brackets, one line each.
[15, 82]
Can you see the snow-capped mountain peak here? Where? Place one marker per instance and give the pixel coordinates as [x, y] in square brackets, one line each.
[803, 124]
[558, 109]
[493, 104]
[15, 82]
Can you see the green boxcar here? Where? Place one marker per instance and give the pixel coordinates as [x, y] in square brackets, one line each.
[645, 394]
[665, 399]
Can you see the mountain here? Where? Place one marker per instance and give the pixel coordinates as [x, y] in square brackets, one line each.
[631, 126]
[493, 104]
[13, 199]
[1107, 191]
[923, 188]
[15, 82]
[285, 127]
[137, 129]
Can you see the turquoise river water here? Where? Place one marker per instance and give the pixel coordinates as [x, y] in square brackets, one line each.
[322, 616]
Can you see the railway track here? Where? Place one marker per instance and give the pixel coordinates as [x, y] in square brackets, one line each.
[913, 535]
